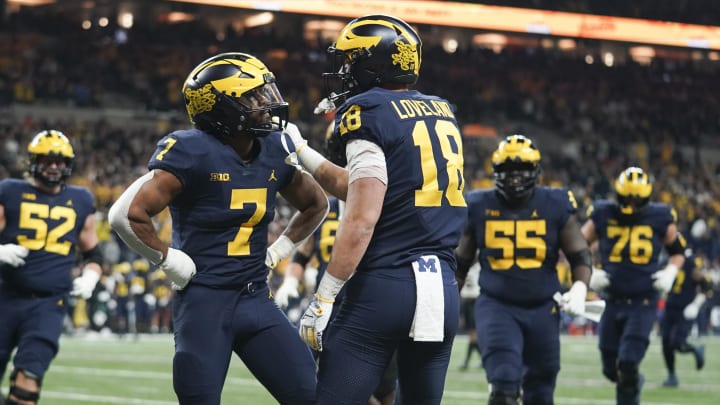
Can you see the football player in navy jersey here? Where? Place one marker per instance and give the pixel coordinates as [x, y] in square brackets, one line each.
[44, 224]
[220, 181]
[682, 305]
[631, 234]
[404, 215]
[518, 229]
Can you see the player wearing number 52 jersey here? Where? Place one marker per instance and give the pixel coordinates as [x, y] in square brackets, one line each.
[631, 233]
[220, 181]
[44, 224]
[518, 229]
[404, 214]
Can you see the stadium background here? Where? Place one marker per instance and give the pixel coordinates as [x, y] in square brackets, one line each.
[112, 83]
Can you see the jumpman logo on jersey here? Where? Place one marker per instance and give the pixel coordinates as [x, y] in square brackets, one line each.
[272, 176]
[69, 203]
[534, 214]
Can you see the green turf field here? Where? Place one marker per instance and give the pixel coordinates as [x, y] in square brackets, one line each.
[114, 371]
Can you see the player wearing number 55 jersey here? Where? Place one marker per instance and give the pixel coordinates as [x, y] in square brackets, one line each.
[44, 224]
[518, 229]
[404, 214]
[220, 181]
[631, 234]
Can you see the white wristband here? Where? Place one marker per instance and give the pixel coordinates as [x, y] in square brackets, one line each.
[310, 158]
[329, 287]
[282, 246]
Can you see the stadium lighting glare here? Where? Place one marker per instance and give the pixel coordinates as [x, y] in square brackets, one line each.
[589, 59]
[86, 25]
[30, 3]
[450, 45]
[714, 56]
[567, 44]
[642, 54]
[259, 19]
[608, 59]
[103, 21]
[126, 20]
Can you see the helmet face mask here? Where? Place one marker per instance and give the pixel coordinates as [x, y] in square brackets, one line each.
[373, 50]
[516, 168]
[51, 157]
[633, 188]
[234, 93]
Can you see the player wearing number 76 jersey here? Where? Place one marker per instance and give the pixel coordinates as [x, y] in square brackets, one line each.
[518, 229]
[631, 233]
[220, 180]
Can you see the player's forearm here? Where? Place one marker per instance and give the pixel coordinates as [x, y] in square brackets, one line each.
[304, 222]
[351, 242]
[677, 260]
[332, 178]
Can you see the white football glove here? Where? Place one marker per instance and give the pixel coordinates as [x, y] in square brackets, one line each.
[325, 105]
[309, 157]
[178, 267]
[665, 278]
[288, 289]
[315, 320]
[84, 285]
[279, 250]
[13, 254]
[692, 309]
[573, 301]
[599, 280]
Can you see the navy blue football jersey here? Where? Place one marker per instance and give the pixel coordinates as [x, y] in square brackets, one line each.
[630, 245]
[221, 217]
[685, 288]
[519, 247]
[49, 226]
[424, 210]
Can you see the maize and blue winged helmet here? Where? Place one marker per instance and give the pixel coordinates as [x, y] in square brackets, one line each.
[50, 147]
[516, 168]
[633, 188]
[234, 93]
[373, 50]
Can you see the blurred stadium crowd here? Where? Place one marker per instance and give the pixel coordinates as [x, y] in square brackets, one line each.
[590, 120]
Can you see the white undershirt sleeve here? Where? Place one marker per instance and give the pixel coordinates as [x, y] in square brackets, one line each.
[118, 218]
[365, 159]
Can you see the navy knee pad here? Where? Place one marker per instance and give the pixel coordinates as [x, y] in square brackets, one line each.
[628, 376]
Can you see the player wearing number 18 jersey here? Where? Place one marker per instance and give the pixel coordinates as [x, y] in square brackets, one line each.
[518, 229]
[404, 214]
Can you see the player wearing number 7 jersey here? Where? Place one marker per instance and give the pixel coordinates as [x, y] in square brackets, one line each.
[404, 214]
[631, 234]
[220, 181]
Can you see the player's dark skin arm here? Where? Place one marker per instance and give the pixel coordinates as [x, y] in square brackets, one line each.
[573, 241]
[305, 194]
[465, 255]
[151, 198]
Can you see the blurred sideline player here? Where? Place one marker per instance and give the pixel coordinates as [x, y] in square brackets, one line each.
[220, 180]
[44, 224]
[631, 234]
[518, 229]
[682, 305]
[320, 245]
